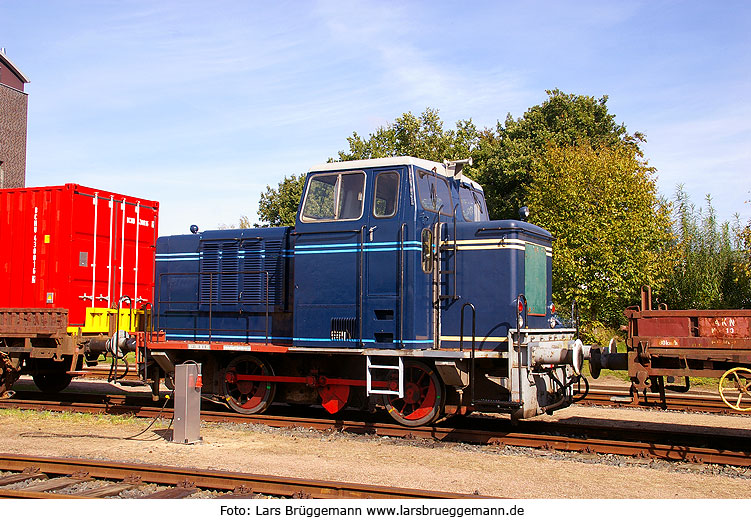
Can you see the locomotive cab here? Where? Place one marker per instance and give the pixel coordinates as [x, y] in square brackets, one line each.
[392, 254]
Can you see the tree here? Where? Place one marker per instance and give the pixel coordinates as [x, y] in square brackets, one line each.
[278, 207]
[505, 156]
[710, 260]
[610, 228]
[243, 222]
[410, 135]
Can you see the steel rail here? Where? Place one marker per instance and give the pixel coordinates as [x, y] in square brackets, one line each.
[717, 448]
[689, 402]
[211, 479]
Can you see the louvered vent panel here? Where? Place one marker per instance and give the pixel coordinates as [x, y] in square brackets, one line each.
[343, 329]
[209, 281]
[274, 265]
[230, 266]
[252, 278]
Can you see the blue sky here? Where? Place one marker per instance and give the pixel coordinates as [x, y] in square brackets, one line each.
[200, 105]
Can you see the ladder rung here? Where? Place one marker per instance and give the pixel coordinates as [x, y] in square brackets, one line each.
[369, 377]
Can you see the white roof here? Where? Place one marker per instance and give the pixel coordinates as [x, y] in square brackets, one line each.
[428, 165]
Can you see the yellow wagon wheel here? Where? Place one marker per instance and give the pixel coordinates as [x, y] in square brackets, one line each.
[735, 388]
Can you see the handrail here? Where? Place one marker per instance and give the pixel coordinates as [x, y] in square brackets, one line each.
[520, 300]
[401, 283]
[515, 228]
[148, 331]
[360, 316]
[115, 340]
[259, 238]
[211, 302]
[351, 231]
[472, 354]
[456, 256]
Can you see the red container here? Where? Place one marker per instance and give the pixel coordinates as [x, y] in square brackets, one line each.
[75, 247]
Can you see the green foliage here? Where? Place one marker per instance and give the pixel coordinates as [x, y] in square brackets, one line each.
[410, 135]
[505, 157]
[243, 222]
[710, 261]
[278, 207]
[610, 228]
[583, 177]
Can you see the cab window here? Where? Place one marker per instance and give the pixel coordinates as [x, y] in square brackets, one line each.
[434, 193]
[334, 197]
[386, 194]
[473, 204]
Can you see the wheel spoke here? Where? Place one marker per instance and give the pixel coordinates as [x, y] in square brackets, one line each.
[248, 397]
[422, 401]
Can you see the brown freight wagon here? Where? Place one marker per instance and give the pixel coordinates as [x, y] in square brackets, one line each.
[665, 346]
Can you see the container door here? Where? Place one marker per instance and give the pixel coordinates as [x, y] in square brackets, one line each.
[133, 246]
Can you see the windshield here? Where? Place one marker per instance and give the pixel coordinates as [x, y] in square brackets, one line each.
[337, 196]
[473, 204]
[434, 193]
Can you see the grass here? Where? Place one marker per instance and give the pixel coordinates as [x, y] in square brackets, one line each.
[75, 417]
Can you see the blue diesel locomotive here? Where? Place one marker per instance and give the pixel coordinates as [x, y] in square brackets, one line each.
[393, 289]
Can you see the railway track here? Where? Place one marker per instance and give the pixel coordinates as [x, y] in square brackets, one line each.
[646, 442]
[33, 477]
[612, 396]
[689, 402]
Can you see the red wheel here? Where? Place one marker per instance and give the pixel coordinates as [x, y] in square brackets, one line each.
[422, 403]
[244, 394]
[334, 397]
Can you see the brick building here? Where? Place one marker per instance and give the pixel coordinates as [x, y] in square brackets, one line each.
[13, 109]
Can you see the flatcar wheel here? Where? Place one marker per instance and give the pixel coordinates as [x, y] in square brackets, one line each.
[422, 403]
[735, 388]
[50, 377]
[248, 396]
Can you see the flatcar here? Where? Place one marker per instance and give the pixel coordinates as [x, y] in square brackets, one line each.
[394, 289]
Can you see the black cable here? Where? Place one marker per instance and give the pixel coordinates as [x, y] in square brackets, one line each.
[158, 416]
